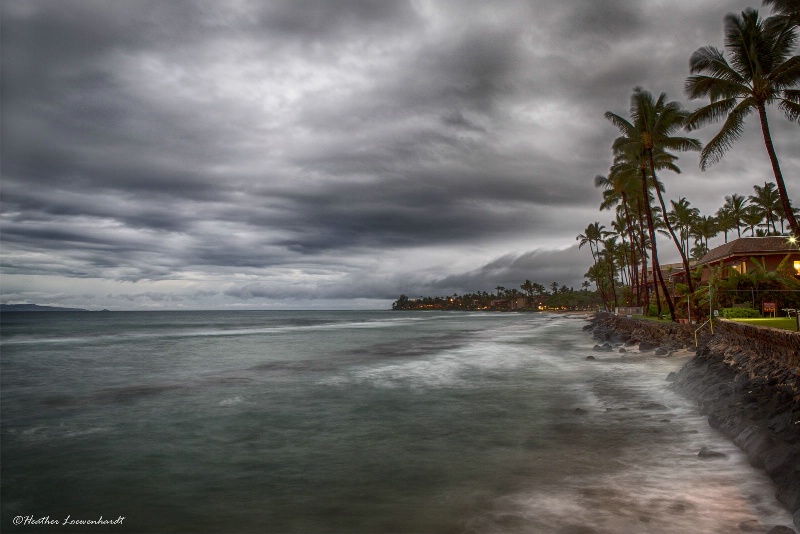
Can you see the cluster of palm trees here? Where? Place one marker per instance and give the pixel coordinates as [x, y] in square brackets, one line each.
[759, 71]
[559, 296]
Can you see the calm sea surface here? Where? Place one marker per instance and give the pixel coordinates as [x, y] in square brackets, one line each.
[354, 422]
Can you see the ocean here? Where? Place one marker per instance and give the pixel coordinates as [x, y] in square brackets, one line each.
[354, 422]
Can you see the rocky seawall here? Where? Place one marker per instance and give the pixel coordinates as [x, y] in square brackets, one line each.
[745, 378]
[647, 335]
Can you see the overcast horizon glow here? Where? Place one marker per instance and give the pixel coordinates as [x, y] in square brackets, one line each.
[325, 155]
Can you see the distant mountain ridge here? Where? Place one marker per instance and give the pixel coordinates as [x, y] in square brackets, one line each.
[35, 308]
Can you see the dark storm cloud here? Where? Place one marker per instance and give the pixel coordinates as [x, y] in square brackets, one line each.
[540, 266]
[327, 149]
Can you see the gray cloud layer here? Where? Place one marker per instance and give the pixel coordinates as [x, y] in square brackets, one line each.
[226, 153]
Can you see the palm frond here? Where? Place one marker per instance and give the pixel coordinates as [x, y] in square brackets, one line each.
[787, 74]
[682, 143]
[623, 125]
[792, 95]
[669, 166]
[780, 30]
[728, 134]
[710, 113]
[701, 86]
[790, 109]
[739, 31]
[711, 61]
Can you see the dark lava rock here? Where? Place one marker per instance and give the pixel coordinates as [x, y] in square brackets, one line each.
[605, 347]
[780, 529]
[618, 338]
[576, 529]
[672, 376]
[789, 492]
[751, 525]
[707, 453]
[644, 345]
[781, 459]
[661, 351]
[653, 406]
[622, 351]
[755, 442]
[591, 358]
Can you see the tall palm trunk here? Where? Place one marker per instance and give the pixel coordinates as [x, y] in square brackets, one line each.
[776, 169]
[654, 249]
[643, 251]
[684, 256]
[610, 270]
[631, 238]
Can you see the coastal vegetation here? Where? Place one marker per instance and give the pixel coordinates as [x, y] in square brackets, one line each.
[756, 70]
[531, 296]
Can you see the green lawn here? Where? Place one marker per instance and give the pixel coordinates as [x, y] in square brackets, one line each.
[654, 319]
[785, 323]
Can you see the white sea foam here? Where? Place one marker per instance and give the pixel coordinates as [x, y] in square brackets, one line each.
[232, 401]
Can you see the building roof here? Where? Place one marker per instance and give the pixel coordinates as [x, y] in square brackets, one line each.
[748, 246]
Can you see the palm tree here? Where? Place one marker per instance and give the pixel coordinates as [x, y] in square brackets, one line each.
[683, 216]
[654, 122]
[619, 228]
[598, 273]
[762, 71]
[527, 287]
[607, 258]
[593, 234]
[751, 218]
[699, 250]
[705, 228]
[631, 161]
[735, 205]
[628, 175]
[790, 9]
[726, 221]
[620, 185]
[767, 200]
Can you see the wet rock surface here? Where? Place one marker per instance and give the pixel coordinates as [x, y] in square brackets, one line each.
[745, 379]
[646, 335]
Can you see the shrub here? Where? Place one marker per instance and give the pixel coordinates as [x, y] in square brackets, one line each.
[740, 313]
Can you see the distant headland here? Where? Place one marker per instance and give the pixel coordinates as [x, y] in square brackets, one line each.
[35, 308]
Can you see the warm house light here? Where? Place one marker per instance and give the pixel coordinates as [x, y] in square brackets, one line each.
[797, 266]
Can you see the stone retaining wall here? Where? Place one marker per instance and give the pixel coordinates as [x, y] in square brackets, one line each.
[670, 336]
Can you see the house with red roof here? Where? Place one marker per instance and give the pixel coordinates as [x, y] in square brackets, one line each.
[739, 255]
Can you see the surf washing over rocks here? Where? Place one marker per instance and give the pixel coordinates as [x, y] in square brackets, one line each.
[746, 379]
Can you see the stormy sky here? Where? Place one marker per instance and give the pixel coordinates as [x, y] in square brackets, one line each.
[330, 154]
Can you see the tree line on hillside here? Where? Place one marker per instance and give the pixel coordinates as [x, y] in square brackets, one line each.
[758, 70]
[530, 296]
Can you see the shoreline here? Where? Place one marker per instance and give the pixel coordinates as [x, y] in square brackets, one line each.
[745, 381]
